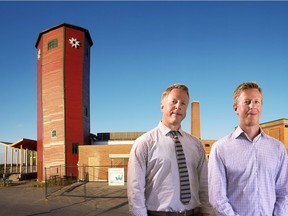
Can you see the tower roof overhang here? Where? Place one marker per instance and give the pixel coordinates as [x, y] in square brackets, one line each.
[67, 25]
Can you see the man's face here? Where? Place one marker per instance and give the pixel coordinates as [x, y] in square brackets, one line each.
[174, 108]
[249, 107]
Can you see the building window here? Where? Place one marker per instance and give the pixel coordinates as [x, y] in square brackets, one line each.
[52, 44]
[53, 133]
[75, 148]
[207, 145]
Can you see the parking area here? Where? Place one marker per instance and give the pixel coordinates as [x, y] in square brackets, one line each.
[90, 199]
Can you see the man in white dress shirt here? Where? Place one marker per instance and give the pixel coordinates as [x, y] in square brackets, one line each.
[153, 179]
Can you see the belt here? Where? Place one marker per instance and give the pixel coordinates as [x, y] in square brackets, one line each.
[192, 212]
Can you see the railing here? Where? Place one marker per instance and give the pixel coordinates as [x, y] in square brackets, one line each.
[17, 170]
[57, 177]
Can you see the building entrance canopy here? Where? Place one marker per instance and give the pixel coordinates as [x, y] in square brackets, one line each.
[25, 143]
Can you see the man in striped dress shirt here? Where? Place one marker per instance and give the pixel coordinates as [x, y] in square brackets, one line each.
[248, 170]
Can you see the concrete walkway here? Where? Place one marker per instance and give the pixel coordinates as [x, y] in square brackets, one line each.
[92, 199]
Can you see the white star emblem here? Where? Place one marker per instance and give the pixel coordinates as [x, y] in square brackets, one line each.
[38, 55]
[74, 42]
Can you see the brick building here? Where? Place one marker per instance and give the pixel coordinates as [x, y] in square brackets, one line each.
[63, 100]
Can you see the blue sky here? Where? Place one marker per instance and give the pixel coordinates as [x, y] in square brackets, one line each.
[139, 49]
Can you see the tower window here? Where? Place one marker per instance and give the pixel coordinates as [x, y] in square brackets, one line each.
[53, 133]
[52, 44]
[75, 148]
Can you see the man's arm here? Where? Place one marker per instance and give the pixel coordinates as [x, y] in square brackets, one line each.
[206, 208]
[136, 180]
[217, 184]
[281, 205]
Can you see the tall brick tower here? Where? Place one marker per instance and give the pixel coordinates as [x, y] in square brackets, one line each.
[63, 100]
[195, 119]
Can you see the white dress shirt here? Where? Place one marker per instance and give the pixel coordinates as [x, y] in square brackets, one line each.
[153, 178]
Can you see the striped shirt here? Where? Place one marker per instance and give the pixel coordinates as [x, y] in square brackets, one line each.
[248, 177]
[153, 178]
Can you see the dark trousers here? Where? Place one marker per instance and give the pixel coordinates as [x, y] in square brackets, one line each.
[192, 212]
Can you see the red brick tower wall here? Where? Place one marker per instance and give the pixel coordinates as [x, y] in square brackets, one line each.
[77, 119]
[39, 113]
[63, 97]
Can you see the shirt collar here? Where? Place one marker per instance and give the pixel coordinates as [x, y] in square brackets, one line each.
[165, 130]
[239, 131]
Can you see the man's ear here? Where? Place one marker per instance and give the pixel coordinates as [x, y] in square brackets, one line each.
[235, 108]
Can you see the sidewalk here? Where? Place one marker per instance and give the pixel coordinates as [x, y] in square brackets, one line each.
[99, 199]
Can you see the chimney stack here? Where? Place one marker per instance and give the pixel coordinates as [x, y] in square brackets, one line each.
[195, 118]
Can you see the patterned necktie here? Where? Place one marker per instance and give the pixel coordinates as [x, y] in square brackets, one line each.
[185, 194]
